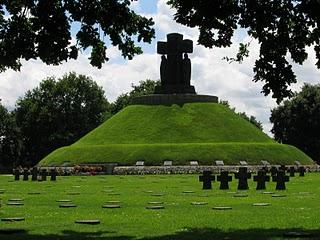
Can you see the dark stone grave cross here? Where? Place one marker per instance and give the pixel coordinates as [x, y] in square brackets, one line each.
[25, 174]
[53, 175]
[206, 178]
[261, 179]
[302, 170]
[16, 173]
[283, 168]
[34, 174]
[281, 180]
[273, 171]
[44, 174]
[243, 177]
[292, 171]
[224, 180]
[175, 69]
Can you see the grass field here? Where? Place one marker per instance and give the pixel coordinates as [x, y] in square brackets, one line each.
[199, 131]
[180, 220]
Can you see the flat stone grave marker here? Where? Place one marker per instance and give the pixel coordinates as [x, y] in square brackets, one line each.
[278, 195]
[111, 206]
[291, 171]
[8, 231]
[15, 204]
[224, 180]
[167, 163]
[240, 195]
[243, 175]
[73, 193]
[188, 192]
[206, 179]
[194, 163]
[260, 204]
[77, 186]
[67, 205]
[219, 163]
[199, 203]
[267, 192]
[155, 203]
[261, 179]
[64, 201]
[297, 235]
[12, 219]
[113, 194]
[243, 163]
[157, 194]
[15, 200]
[222, 208]
[34, 193]
[88, 222]
[140, 163]
[148, 191]
[301, 170]
[155, 207]
[281, 180]
[113, 202]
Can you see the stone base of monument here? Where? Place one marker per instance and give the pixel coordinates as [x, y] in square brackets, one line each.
[171, 89]
[169, 99]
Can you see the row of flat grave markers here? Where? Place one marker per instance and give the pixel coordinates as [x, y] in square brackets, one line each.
[278, 176]
[34, 174]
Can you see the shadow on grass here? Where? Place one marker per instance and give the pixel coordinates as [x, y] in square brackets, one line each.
[188, 234]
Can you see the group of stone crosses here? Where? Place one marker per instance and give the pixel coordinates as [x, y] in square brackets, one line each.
[36, 175]
[278, 175]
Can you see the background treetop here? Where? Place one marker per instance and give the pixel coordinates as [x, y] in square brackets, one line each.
[282, 27]
[30, 29]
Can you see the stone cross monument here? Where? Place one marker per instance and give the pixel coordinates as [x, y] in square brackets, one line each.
[175, 68]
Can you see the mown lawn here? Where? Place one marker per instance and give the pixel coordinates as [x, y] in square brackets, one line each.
[180, 220]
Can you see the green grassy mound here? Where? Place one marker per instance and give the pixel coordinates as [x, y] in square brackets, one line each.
[195, 131]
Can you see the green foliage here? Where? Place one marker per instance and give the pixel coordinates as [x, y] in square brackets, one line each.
[144, 88]
[251, 119]
[42, 29]
[59, 112]
[180, 220]
[195, 131]
[297, 121]
[11, 145]
[281, 27]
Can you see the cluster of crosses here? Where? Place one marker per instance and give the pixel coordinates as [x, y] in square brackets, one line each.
[34, 172]
[278, 175]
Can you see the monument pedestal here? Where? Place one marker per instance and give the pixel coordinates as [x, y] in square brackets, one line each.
[169, 99]
[175, 89]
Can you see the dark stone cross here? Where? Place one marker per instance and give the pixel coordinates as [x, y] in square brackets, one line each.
[175, 69]
[302, 170]
[224, 180]
[292, 171]
[261, 179]
[16, 173]
[243, 177]
[53, 175]
[281, 180]
[25, 175]
[34, 174]
[283, 168]
[44, 174]
[206, 178]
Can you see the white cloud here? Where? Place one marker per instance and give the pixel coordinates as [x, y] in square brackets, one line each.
[211, 74]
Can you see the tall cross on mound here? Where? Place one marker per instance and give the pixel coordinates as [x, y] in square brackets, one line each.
[175, 68]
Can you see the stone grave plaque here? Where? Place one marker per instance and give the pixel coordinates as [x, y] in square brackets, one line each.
[224, 180]
[199, 203]
[88, 222]
[155, 203]
[222, 208]
[67, 205]
[281, 180]
[261, 180]
[243, 177]
[155, 207]
[260, 204]
[206, 179]
[243, 163]
[219, 163]
[13, 219]
[194, 163]
[278, 195]
[111, 206]
[167, 163]
[64, 200]
[15, 203]
[140, 163]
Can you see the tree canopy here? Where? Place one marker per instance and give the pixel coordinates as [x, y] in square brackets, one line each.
[59, 112]
[282, 27]
[297, 121]
[31, 29]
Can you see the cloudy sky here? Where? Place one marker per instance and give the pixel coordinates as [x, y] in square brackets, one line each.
[210, 74]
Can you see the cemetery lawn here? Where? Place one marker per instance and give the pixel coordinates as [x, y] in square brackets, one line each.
[197, 131]
[298, 211]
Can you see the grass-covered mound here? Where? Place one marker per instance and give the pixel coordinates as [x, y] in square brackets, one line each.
[195, 131]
